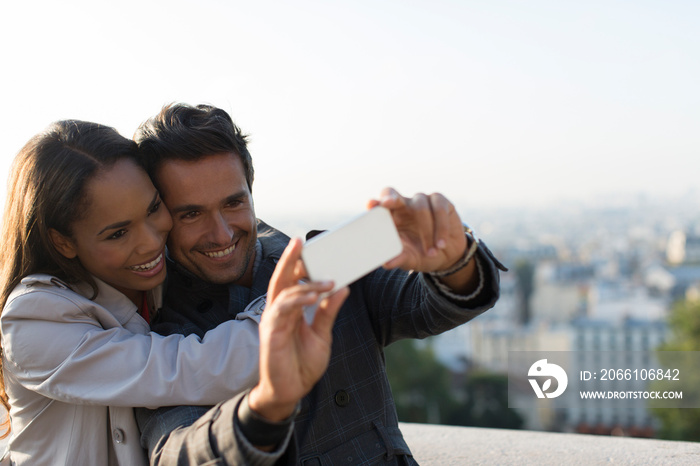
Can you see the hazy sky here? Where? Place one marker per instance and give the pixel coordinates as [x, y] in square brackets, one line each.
[493, 102]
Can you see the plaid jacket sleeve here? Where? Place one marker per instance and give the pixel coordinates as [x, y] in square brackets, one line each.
[410, 305]
[187, 435]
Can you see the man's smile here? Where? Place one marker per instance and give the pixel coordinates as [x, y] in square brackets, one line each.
[221, 253]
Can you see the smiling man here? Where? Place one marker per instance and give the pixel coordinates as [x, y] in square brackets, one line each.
[220, 262]
[217, 231]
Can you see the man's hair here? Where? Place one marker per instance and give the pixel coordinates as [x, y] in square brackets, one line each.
[185, 132]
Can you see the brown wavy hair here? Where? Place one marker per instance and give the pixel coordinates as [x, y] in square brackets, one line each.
[46, 190]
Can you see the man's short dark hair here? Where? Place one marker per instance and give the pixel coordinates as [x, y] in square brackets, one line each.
[185, 132]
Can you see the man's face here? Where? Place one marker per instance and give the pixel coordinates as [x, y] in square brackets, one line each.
[214, 228]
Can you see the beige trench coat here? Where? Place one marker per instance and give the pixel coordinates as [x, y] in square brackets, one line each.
[74, 368]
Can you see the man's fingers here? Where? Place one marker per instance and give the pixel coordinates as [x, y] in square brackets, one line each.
[424, 223]
[285, 272]
[391, 199]
[397, 261]
[442, 210]
[301, 294]
[328, 311]
[300, 270]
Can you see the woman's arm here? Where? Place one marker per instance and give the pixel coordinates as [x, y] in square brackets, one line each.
[55, 345]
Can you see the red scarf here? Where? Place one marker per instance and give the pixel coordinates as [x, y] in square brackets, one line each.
[144, 309]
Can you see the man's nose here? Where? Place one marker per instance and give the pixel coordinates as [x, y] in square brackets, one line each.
[220, 232]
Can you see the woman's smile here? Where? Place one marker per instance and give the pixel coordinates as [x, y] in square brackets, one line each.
[150, 268]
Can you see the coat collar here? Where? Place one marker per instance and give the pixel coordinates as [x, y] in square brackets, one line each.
[107, 296]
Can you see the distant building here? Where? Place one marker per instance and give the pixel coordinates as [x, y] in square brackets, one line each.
[683, 248]
[530, 252]
[466, 342]
[628, 343]
[562, 291]
[684, 277]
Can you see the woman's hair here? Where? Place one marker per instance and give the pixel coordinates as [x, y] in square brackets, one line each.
[47, 190]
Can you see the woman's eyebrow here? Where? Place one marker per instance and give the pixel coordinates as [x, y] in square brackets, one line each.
[125, 223]
[154, 201]
[114, 226]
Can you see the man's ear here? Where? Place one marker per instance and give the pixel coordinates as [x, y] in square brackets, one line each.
[63, 244]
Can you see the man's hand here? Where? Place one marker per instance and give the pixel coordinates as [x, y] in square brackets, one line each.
[432, 235]
[293, 354]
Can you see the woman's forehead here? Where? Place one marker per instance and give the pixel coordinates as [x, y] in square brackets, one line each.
[121, 192]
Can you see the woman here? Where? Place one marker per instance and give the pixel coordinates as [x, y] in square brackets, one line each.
[84, 234]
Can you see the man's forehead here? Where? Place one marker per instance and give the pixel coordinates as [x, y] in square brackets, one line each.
[217, 172]
[217, 158]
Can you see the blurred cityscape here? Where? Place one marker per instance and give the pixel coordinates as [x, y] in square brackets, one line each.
[596, 276]
[590, 277]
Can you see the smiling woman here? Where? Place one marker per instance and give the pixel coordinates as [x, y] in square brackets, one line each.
[84, 236]
[126, 254]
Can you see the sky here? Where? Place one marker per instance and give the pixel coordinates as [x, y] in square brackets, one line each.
[498, 103]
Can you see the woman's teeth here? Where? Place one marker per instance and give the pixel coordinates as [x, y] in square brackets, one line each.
[149, 266]
[223, 253]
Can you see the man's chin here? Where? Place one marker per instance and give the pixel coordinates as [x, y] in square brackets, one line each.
[220, 277]
[223, 280]
[229, 273]
[221, 272]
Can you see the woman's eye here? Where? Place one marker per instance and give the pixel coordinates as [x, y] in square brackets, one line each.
[117, 234]
[155, 207]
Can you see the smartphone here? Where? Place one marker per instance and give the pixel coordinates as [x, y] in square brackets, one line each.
[351, 251]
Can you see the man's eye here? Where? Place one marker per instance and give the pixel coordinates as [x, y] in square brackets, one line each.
[189, 215]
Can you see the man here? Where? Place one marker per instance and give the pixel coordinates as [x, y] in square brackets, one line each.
[221, 259]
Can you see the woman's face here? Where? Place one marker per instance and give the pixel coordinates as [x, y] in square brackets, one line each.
[121, 237]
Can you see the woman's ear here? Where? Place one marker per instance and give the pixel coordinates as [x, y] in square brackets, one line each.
[63, 244]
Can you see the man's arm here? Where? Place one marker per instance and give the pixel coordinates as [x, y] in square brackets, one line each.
[255, 428]
[459, 276]
[186, 435]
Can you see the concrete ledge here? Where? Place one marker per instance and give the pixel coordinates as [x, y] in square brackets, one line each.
[437, 445]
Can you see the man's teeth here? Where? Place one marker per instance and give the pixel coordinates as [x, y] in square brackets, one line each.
[223, 253]
[149, 266]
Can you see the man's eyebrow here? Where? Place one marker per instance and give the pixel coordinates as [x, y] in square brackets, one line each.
[240, 195]
[185, 208]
